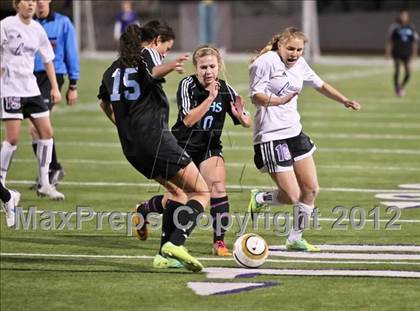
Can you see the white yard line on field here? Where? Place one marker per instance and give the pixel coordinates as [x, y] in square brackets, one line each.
[145, 257]
[233, 273]
[359, 247]
[249, 148]
[156, 186]
[230, 164]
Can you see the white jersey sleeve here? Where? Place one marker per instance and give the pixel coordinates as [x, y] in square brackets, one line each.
[259, 75]
[310, 78]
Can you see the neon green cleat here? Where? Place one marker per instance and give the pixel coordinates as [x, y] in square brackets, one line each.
[301, 245]
[160, 262]
[253, 206]
[180, 253]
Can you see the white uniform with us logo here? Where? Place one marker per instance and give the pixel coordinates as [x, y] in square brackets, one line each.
[20, 95]
[278, 137]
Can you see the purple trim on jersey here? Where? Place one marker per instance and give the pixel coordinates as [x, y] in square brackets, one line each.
[220, 203]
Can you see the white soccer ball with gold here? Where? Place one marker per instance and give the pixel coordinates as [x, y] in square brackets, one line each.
[250, 250]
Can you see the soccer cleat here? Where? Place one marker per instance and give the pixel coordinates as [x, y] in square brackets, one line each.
[56, 175]
[51, 192]
[35, 186]
[180, 253]
[10, 208]
[220, 249]
[141, 232]
[254, 206]
[301, 245]
[160, 262]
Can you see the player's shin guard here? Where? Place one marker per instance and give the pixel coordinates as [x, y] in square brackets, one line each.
[185, 220]
[302, 215]
[6, 156]
[219, 211]
[43, 154]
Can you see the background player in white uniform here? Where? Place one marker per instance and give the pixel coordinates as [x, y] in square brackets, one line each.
[277, 76]
[21, 38]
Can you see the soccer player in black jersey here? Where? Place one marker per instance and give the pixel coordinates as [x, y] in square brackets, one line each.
[402, 46]
[203, 102]
[138, 106]
[160, 38]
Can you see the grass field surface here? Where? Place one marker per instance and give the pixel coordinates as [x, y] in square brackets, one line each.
[363, 158]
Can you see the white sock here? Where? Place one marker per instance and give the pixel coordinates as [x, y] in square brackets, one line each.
[6, 156]
[304, 211]
[268, 197]
[44, 154]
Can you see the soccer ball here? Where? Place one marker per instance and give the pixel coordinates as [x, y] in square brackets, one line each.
[250, 250]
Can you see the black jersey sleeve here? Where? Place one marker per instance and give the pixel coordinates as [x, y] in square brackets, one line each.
[103, 92]
[230, 98]
[185, 96]
[151, 58]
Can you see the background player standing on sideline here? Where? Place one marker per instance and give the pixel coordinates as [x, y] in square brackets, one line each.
[138, 106]
[277, 75]
[402, 46]
[203, 101]
[21, 38]
[62, 36]
[124, 19]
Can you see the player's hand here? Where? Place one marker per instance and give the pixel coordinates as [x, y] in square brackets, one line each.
[352, 104]
[179, 63]
[213, 89]
[238, 106]
[55, 96]
[71, 96]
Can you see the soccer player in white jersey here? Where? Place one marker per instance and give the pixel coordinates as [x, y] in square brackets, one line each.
[277, 75]
[21, 37]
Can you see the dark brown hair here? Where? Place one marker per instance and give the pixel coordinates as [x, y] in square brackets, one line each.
[131, 43]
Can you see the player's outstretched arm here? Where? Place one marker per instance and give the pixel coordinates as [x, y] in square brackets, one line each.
[174, 65]
[330, 92]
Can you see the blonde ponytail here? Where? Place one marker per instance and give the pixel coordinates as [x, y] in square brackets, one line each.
[286, 35]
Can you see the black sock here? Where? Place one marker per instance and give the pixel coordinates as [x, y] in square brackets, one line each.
[5, 194]
[167, 221]
[34, 147]
[54, 165]
[155, 204]
[193, 209]
[406, 78]
[219, 207]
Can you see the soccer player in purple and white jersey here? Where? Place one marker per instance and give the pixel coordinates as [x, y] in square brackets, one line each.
[21, 37]
[277, 75]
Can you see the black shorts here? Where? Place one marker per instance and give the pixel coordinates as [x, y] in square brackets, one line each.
[279, 155]
[158, 156]
[45, 86]
[199, 156]
[23, 107]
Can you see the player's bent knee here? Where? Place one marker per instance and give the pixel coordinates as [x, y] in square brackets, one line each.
[289, 197]
[310, 193]
[13, 140]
